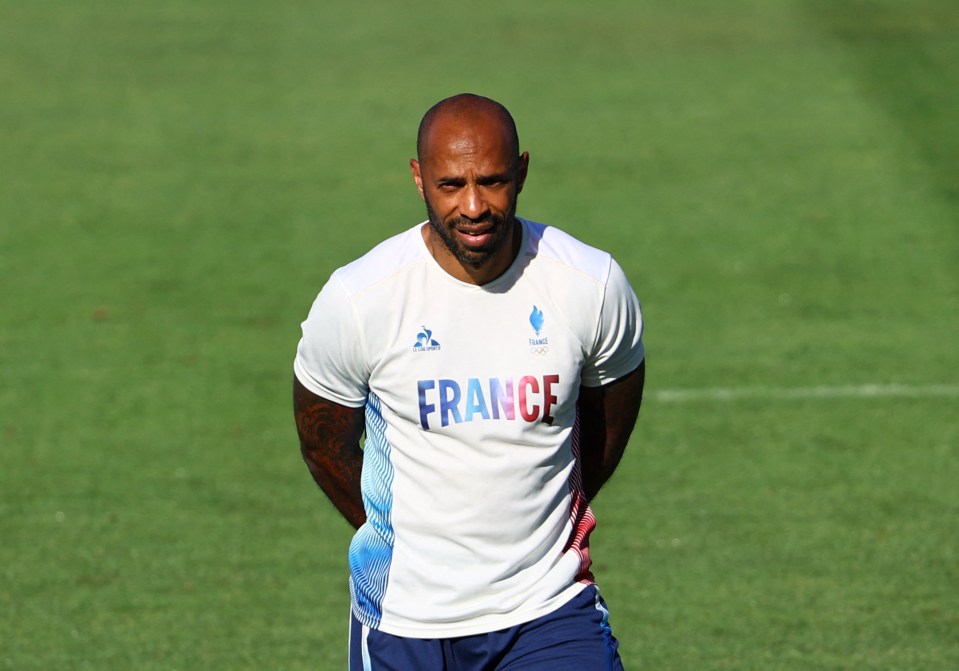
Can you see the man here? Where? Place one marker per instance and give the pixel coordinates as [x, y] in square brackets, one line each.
[496, 366]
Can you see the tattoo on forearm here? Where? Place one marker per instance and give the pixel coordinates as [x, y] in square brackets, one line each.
[330, 444]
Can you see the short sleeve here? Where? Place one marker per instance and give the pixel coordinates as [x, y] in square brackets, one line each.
[618, 349]
[330, 360]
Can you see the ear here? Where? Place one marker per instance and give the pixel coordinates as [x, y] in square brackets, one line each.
[521, 171]
[417, 177]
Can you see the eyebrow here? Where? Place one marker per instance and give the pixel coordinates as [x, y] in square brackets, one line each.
[482, 180]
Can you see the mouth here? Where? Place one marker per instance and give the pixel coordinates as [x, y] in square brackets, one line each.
[475, 235]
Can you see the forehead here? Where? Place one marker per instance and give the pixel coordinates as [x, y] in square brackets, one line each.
[471, 139]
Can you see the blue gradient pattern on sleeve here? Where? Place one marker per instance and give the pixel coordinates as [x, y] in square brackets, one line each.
[371, 551]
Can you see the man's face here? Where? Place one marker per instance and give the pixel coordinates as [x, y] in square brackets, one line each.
[470, 178]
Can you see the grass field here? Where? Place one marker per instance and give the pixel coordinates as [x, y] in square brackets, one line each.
[779, 178]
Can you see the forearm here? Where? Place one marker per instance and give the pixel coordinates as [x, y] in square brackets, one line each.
[598, 466]
[340, 480]
[607, 416]
[330, 444]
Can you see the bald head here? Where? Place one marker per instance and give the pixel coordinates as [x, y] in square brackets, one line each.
[466, 111]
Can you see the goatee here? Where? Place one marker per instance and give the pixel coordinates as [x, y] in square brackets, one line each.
[471, 256]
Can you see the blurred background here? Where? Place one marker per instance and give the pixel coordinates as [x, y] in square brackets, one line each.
[779, 179]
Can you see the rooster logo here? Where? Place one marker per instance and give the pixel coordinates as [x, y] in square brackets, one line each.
[425, 339]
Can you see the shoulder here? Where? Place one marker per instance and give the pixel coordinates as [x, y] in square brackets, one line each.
[382, 262]
[548, 243]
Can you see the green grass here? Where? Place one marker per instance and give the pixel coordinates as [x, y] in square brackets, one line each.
[779, 179]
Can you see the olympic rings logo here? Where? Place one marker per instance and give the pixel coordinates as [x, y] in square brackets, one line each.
[540, 350]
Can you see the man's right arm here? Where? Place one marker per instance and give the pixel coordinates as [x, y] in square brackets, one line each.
[330, 436]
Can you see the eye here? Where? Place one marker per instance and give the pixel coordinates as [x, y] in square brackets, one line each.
[495, 182]
[448, 185]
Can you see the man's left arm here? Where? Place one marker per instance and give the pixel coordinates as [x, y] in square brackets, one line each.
[607, 415]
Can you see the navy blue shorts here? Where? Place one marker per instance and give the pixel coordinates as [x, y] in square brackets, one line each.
[575, 637]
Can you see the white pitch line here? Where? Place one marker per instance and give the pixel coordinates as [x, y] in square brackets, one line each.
[802, 393]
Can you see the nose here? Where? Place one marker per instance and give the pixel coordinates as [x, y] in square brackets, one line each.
[473, 205]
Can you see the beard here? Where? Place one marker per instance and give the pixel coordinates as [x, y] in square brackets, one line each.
[501, 231]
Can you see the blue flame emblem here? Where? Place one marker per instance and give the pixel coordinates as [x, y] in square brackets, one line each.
[536, 319]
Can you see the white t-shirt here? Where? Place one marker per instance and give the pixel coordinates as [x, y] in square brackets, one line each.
[476, 517]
